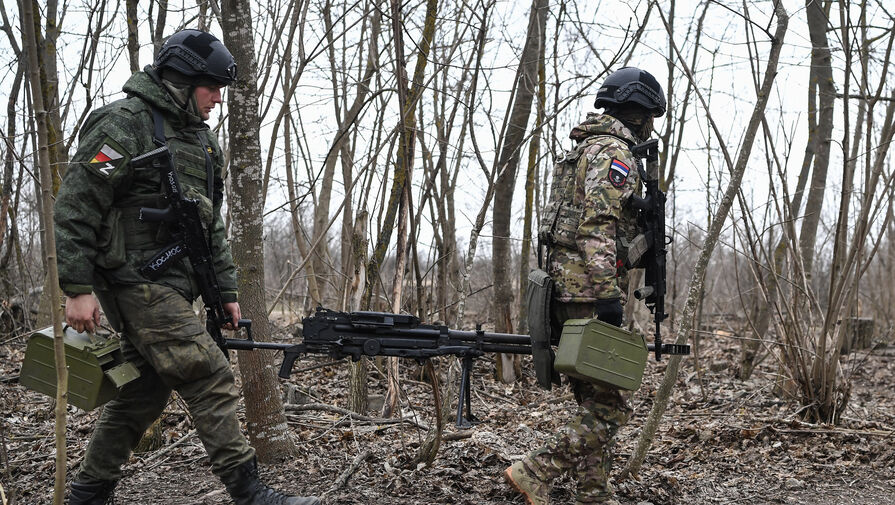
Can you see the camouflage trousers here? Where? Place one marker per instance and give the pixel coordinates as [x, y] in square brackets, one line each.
[584, 445]
[163, 338]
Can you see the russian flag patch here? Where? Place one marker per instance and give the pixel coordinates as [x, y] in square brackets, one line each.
[618, 173]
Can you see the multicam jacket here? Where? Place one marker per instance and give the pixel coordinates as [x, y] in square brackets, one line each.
[100, 240]
[589, 215]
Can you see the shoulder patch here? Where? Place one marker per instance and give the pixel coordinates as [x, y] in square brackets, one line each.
[618, 172]
[109, 158]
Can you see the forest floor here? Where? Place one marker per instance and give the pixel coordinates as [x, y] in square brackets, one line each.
[722, 441]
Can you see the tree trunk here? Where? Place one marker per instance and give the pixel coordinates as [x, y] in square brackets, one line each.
[9, 168]
[49, 241]
[685, 322]
[133, 42]
[265, 417]
[531, 177]
[357, 370]
[57, 157]
[515, 127]
[404, 155]
[821, 75]
[294, 212]
[404, 164]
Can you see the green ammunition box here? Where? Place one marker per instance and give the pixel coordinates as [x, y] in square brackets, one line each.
[594, 351]
[96, 369]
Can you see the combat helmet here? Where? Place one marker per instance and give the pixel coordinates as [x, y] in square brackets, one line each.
[632, 85]
[198, 57]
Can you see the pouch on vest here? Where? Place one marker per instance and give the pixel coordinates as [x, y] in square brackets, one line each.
[110, 241]
[559, 224]
[596, 351]
[632, 251]
[539, 295]
[96, 368]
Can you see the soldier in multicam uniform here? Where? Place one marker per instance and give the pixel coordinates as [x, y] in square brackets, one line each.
[587, 221]
[102, 243]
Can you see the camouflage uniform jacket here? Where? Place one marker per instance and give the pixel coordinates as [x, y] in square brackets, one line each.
[591, 214]
[100, 240]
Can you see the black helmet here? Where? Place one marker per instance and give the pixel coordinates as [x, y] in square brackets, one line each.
[197, 56]
[632, 85]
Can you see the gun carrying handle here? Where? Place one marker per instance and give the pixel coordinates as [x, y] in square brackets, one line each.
[247, 324]
[648, 150]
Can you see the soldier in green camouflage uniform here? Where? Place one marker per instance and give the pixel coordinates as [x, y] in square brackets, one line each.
[588, 219]
[102, 244]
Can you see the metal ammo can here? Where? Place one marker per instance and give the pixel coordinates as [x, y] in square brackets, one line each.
[96, 368]
[595, 351]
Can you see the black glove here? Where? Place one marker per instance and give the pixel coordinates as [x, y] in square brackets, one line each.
[610, 311]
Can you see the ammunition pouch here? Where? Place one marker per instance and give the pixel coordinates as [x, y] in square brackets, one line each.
[539, 295]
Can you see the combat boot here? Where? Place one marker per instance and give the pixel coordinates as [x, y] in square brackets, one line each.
[246, 488]
[535, 490]
[91, 493]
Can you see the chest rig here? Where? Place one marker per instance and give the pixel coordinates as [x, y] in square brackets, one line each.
[171, 162]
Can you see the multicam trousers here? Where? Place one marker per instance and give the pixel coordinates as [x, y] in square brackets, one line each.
[584, 445]
[163, 338]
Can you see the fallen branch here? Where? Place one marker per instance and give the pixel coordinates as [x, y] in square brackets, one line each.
[168, 448]
[343, 478]
[291, 407]
[457, 435]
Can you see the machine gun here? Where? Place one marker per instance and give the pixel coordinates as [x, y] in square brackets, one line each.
[182, 214]
[356, 334]
[652, 221]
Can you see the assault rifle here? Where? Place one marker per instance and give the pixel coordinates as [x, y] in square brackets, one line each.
[182, 215]
[652, 221]
[356, 334]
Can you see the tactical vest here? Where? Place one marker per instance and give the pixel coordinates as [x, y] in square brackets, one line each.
[561, 217]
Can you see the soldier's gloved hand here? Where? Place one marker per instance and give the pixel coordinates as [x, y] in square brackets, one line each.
[610, 311]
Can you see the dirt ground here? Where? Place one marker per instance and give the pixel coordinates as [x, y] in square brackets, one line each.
[722, 441]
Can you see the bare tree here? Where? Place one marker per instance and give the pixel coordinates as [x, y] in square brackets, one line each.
[133, 41]
[49, 240]
[736, 170]
[514, 132]
[265, 416]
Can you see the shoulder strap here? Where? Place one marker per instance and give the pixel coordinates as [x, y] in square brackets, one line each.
[158, 122]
